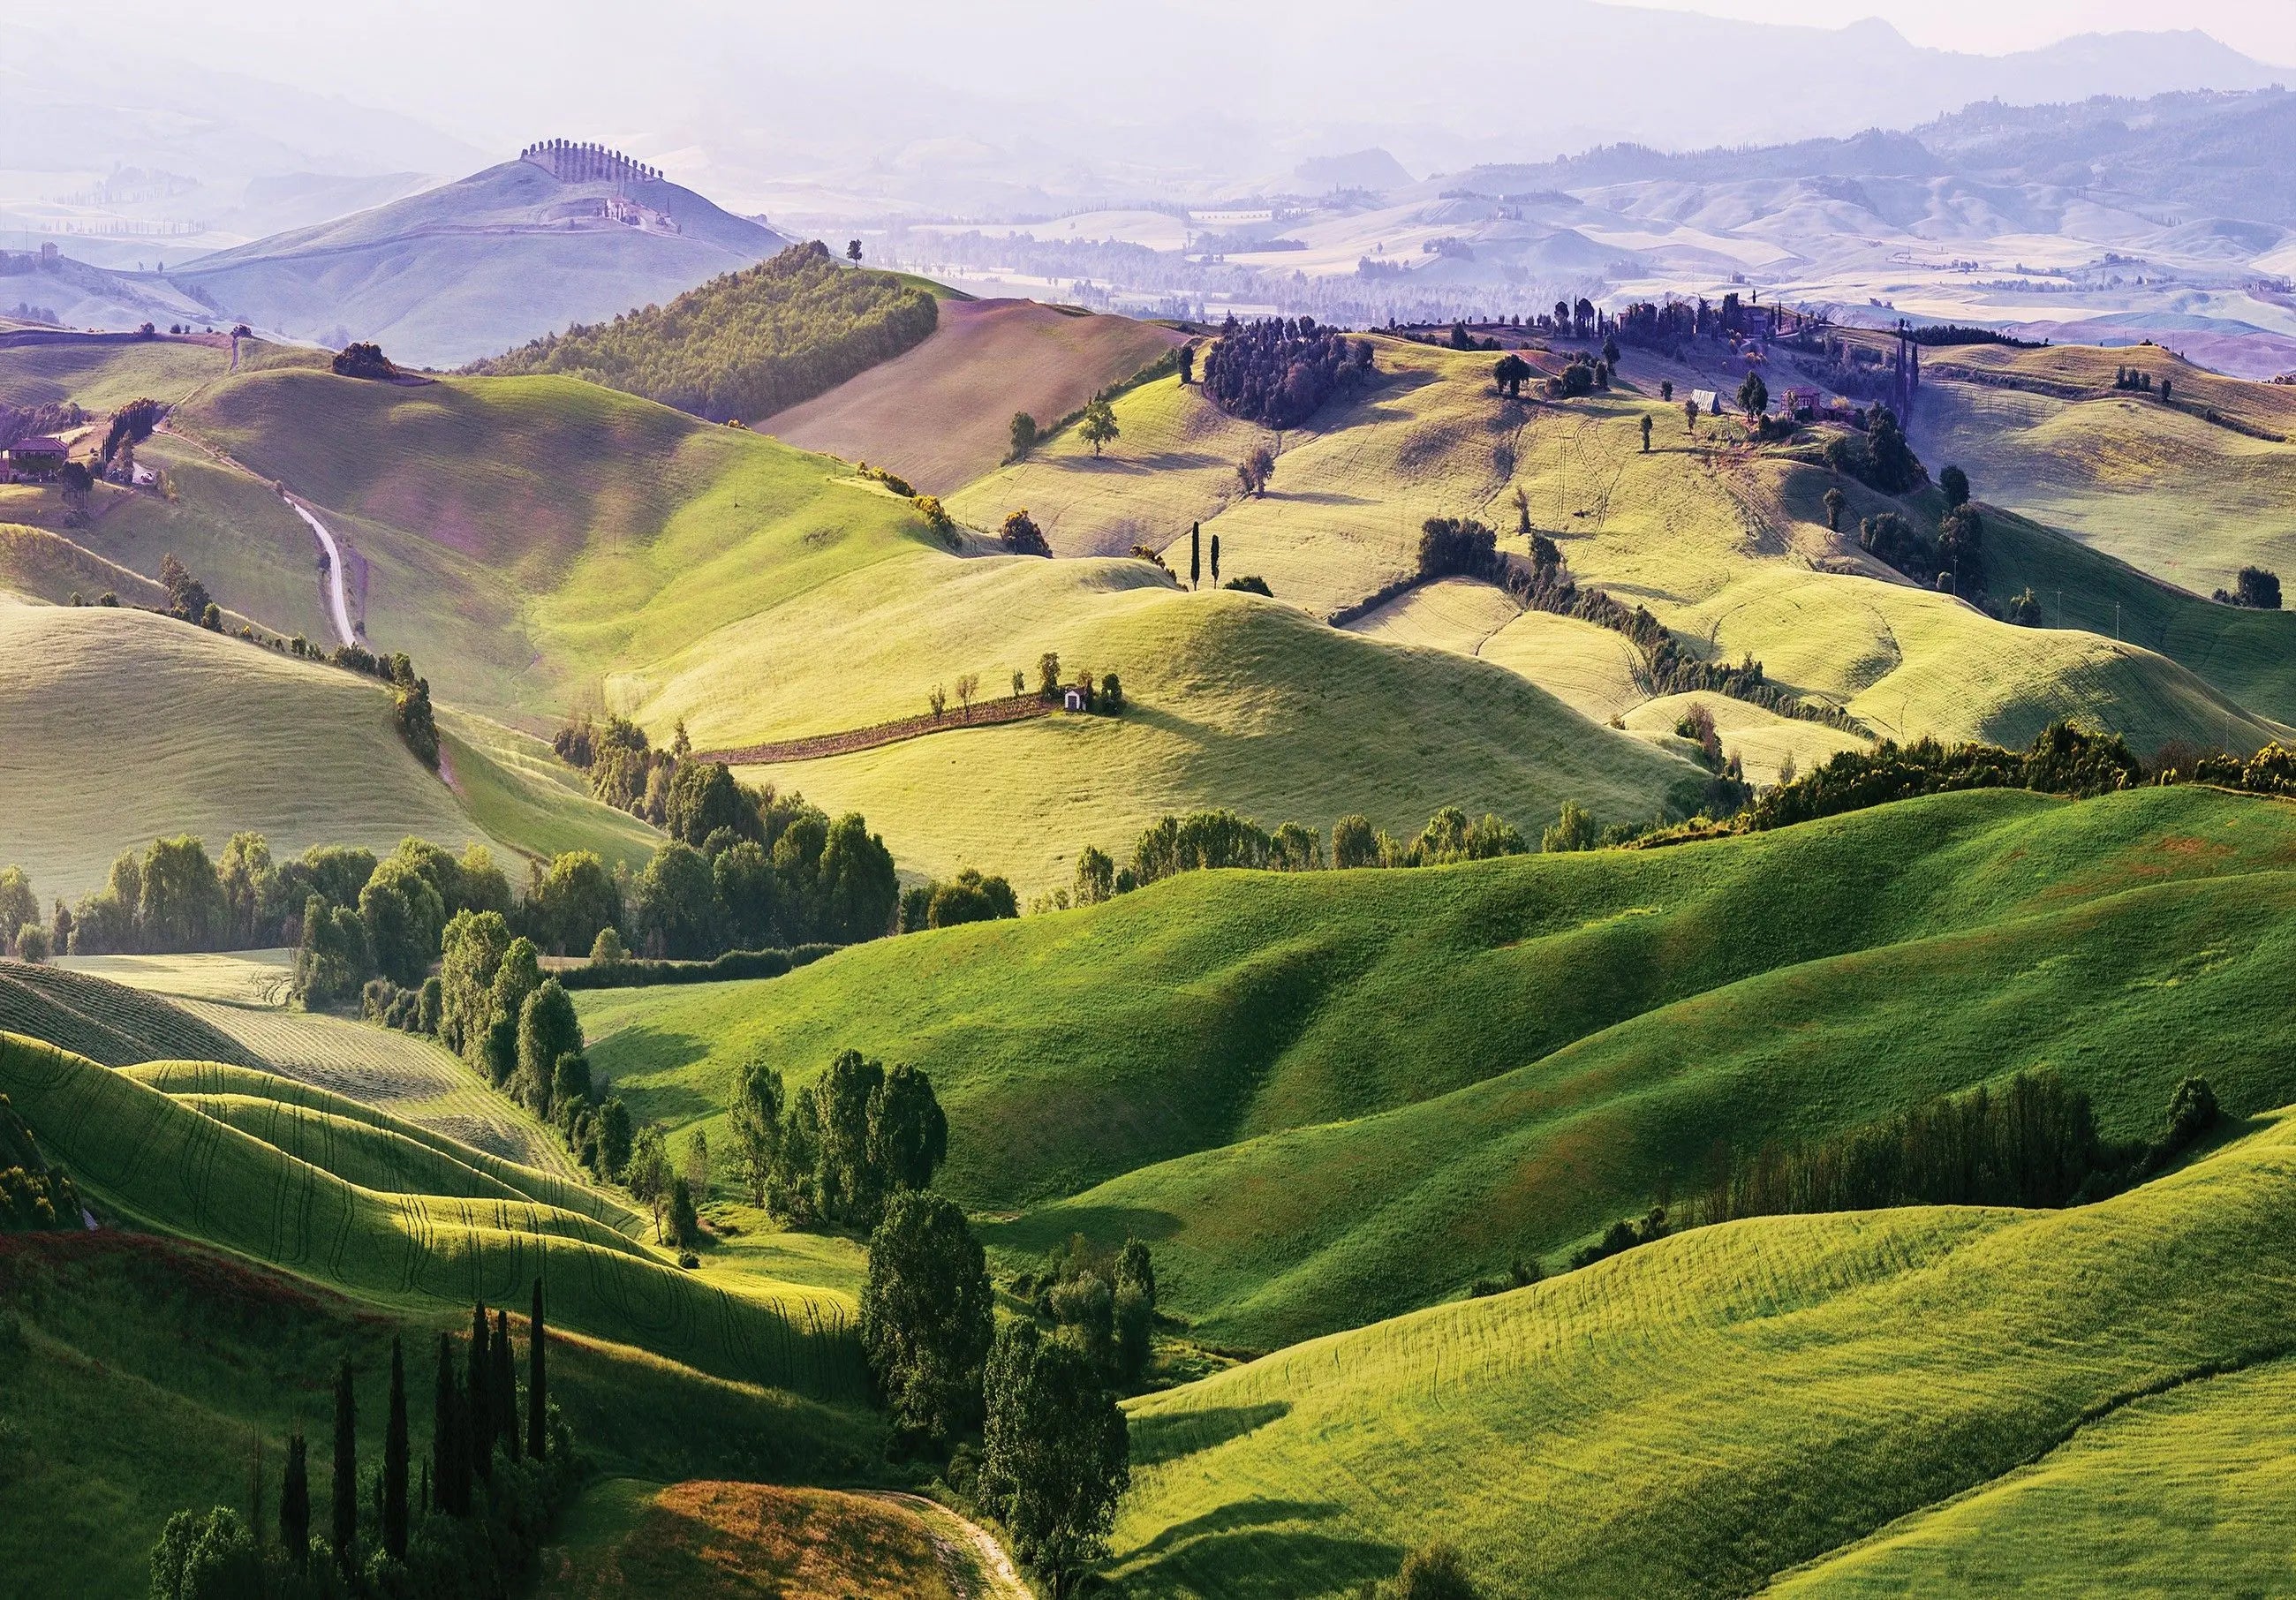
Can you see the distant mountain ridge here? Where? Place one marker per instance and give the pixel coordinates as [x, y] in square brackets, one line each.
[483, 263]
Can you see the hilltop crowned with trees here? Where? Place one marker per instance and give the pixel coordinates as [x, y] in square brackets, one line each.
[1278, 372]
[745, 344]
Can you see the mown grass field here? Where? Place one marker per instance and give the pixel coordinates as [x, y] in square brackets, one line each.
[1325, 1097]
[169, 1164]
[1700, 1414]
[939, 415]
[106, 1022]
[222, 736]
[2159, 486]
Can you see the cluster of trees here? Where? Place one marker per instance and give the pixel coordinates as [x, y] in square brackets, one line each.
[22, 934]
[363, 361]
[1021, 535]
[1279, 372]
[2257, 587]
[2137, 381]
[1054, 1453]
[34, 1197]
[746, 344]
[744, 869]
[841, 1148]
[470, 1528]
[1955, 558]
[1878, 456]
[970, 896]
[2064, 759]
[1954, 334]
[2030, 1142]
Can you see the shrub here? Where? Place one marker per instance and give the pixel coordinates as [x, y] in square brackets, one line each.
[1251, 584]
[1022, 537]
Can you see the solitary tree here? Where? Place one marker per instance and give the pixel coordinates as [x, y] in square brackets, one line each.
[343, 1525]
[450, 1437]
[536, 1390]
[1187, 364]
[1646, 432]
[2258, 588]
[478, 1385]
[648, 1174]
[502, 1387]
[394, 1460]
[1048, 675]
[1054, 1456]
[1753, 395]
[1835, 502]
[1019, 682]
[1195, 553]
[926, 1316]
[1511, 373]
[1215, 558]
[968, 685]
[853, 251]
[1024, 434]
[1690, 415]
[1954, 482]
[1098, 425]
[295, 1502]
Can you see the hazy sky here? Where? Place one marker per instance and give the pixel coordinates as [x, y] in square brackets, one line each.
[2263, 28]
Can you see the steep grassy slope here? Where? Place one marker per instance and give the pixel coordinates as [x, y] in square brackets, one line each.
[106, 1022]
[165, 1162]
[1333, 1096]
[1694, 1417]
[141, 1367]
[939, 415]
[127, 726]
[2160, 487]
[102, 374]
[1727, 544]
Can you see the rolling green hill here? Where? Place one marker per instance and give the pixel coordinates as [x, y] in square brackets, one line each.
[1701, 1415]
[169, 1164]
[1328, 1096]
[126, 726]
[745, 344]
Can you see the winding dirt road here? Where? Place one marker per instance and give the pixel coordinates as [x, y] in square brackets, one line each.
[338, 601]
[995, 1566]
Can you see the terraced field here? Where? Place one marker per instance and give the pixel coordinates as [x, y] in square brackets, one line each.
[1700, 1414]
[1329, 1096]
[164, 1160]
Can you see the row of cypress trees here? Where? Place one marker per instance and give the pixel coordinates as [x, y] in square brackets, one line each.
[469, 1415]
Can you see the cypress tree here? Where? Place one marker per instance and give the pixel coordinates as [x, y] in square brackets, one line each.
[345, 1527]
[295, 1503]
[505, 1388]
[1195, 553]
[426, 1489]
[475, 1387]
[450, 1461]
[538, 1391]
[394, 1460]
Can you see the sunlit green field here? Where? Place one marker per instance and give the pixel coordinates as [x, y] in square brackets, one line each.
[1699, 1414]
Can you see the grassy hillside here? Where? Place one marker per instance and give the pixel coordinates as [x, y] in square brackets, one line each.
[1327, 1096]
[744, 345]
[103, 375]
[2160, 486]
[1697, 1416]
[165, 1162]
[222, 736]
[1727, 545]
[106, 1022]
[940, 414]
[140, 1366]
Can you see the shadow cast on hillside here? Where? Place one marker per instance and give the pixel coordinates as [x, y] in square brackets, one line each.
[1110, 1224]
[1159, 1439]
[1240, 1550]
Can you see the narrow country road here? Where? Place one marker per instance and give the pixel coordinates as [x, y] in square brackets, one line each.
[995, 1566]
[338, 601]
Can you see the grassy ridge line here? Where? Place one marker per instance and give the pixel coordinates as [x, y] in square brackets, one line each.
[107, 1023]
[202, 1081]
[136, 1148]
[1698, 1416]
[2190, 1481]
